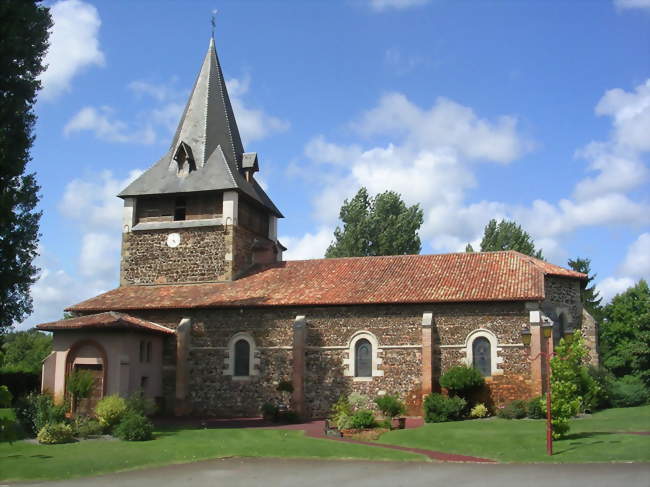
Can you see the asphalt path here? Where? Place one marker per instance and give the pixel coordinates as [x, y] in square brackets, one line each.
[235, 472]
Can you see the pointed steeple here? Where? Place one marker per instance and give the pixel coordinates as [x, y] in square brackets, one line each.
[208, 120]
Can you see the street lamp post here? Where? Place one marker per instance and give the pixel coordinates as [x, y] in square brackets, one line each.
[547, 329]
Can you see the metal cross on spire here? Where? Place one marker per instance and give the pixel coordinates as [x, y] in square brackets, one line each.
[213, 20]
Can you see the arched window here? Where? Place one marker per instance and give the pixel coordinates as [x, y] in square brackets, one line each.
[363, 358]
[482, 356]
[242, 358]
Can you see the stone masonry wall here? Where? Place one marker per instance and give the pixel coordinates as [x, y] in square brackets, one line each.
[146, 258]
[329, 330]
[563, 294]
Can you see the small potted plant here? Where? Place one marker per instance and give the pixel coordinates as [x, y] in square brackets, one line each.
[392, 408]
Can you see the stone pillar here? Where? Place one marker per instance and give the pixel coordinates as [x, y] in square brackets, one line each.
[427, 354]
[182, 406]
[590, 332]
[298, 371]
[536, 343]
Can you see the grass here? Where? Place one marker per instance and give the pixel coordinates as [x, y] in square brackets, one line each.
[596, 438]
[28, 461]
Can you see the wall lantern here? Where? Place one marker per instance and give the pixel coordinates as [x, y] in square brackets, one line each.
[547, 329]
[525, 336]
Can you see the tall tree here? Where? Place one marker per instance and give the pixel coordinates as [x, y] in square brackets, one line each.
[625, 333]
[24, 28]
[590, 296]
[382, 225]
[507, 235]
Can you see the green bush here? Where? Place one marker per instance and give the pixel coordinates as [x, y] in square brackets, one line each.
[341, 415]
[290, 417]
[390, 406]
[364, 418]
[110, 410]
[462, 381]
[358, 401]
[270, 411]
[439, 408]
[628, 391]
[479, 411]
[535, 408]
[85, 427]
[138, 403]
[55, 433]
[34, 411]
[604, 379]
[514, 410]
[134, 427]
[385, 423]
[80, 383]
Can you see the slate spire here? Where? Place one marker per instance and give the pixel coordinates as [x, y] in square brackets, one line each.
[208, 119]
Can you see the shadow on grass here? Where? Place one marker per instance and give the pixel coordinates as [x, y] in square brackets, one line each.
[573, 441]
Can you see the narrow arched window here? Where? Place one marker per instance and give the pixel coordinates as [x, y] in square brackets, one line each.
[363, 358]
[482, 356]
[242, 358]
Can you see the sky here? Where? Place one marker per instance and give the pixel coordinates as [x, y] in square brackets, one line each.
[534, 111]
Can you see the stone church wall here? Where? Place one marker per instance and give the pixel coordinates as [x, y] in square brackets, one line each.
[397, 329]
[146, 258]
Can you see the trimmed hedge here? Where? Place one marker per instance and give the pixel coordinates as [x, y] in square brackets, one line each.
[134, 427]
[439, 408]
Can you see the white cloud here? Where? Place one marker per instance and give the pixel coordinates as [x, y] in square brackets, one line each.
[74, 45]
[382, 5]
[254, 124]
[309, 246]
[99, 254]
[320, 150]
[632, 4]
[637, 259]
[401, 63]
[104, 126]
[611, 286]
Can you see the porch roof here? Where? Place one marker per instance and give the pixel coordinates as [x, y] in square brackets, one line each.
[110, 320]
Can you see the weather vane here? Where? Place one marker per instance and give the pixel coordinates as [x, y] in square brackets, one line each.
[213, 20]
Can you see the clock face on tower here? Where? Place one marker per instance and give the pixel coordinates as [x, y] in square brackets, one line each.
[173, 239]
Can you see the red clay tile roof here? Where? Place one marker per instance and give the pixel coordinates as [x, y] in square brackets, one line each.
[105, 321]
[462, 277]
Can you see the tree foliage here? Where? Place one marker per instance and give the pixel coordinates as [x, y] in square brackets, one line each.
[24, 28]
[625, 333]
[507, 235]
[24, 351]
[382, 225]
[589, 295]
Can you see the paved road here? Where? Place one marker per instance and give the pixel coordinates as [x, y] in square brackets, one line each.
[235, 472]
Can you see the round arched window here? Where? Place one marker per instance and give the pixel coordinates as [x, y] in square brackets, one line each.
[482, 356]
[363, 358]
[242, 358]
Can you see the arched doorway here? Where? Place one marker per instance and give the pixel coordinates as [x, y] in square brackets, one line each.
[90, 356]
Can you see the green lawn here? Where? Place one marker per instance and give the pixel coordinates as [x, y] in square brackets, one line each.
[593, 439]
[27, 461]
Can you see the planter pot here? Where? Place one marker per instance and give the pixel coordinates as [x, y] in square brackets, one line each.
[399, 423]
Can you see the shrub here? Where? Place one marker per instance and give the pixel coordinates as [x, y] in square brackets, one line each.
[462, 381]
[341, 415]
[513, 410]
[34, 411]
[140, 404]
[479, 411]
[80, 383]
[628, 391]
[290, 417]
[364, 418]
[439, 408]
[604, 379]
[85, 427]
[110, 410]
[270, 411]
[134, 427]
[20, 383]
[358, 401]
[535, 408]
[55, 433]
[390, 406]
[385, 423]
[7, 425]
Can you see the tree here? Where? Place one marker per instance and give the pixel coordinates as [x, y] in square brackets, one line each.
[24, 28]
[80, 385]
[589, 295]
[469, 248]
[507, 235]
[23, 351]
[625, 333]
[382, 225]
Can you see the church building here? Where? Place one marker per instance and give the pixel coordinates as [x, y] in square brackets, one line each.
[208, 318]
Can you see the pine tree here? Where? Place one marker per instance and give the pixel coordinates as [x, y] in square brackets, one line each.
[590, 296]
[382, 225]
[24, 28]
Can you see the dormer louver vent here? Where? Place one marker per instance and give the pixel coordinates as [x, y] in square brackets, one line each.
[184, 159]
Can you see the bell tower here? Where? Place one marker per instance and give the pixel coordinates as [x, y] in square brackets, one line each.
[198, 215]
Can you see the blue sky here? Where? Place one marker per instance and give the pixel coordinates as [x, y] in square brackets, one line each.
[535, 111]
